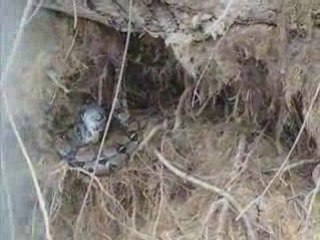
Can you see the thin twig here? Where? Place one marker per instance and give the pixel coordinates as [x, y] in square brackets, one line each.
[240, 165]
[34, 13]
[81, 12]
[100, 185]
[56, 198]
[212, 209]
[75, 14]
[282, 167]
[114, 102]
[156, 223]
[309, 210]
[56, 79]
[220, 18]
[238, 160]
[102, 76]
[16, 43]
[221, 229]
[71, 45]
[294, 165]
[6, 191]
[238, 168]
[130, 229]
[205, 69]
[179, 109]
[210, 187]
[204, 105]
[151, 134]
[4, 79]
[30, 166]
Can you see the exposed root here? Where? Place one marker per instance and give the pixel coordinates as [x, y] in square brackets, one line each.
[284, 163]
[307, 223]
[221, 230]
[114, 102]
[210, 187]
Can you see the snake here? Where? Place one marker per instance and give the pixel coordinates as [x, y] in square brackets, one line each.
[77, 147]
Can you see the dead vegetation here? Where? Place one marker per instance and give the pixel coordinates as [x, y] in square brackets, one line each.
[228, 153]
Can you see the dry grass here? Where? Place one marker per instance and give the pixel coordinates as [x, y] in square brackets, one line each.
[196, 169]
[145, 201]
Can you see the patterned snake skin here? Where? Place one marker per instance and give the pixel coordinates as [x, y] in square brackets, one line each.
[75, 145]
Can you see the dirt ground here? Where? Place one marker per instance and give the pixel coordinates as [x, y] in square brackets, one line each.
[230, 128]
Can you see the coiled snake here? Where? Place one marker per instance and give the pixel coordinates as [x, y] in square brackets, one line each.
[76, 144]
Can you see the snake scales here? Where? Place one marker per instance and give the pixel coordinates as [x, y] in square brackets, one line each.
[76, 145]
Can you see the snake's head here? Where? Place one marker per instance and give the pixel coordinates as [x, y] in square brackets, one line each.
[81, 136]
[93, 117]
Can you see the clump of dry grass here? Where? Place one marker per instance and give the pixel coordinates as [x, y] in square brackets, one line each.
[146, 200]
[202, 164]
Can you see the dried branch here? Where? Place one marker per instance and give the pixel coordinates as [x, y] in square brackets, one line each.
[210, 187]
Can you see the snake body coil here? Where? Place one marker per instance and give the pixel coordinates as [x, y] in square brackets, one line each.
[91, 122]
